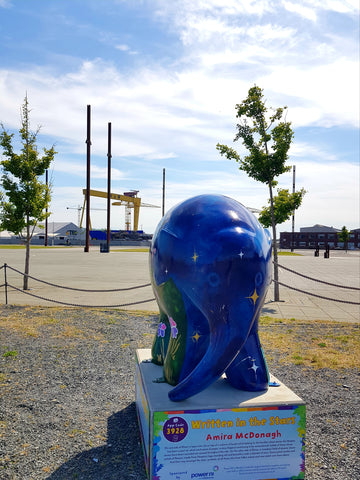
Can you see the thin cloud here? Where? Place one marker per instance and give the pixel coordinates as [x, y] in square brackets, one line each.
[126, 49]
[303, 11]
[79, 169]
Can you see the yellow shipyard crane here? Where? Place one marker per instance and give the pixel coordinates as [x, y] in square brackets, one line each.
[129, 199]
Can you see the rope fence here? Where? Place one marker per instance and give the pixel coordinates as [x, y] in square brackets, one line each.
[7, 286]
[80, 289]
[315, 279]
[318, 281]
[26, 292]
[77, 305]
[315, 295]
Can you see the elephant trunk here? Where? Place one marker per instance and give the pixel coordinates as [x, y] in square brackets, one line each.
[225, 342]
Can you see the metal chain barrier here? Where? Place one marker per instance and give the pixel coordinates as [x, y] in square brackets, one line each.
[315, 279]
[7, 285]
[79, 289]
[314, 295]
[78, 305]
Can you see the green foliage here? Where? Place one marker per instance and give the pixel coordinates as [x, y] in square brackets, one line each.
[10, 353]
[267, 142]
[24, 198]
[344, 235]
[284, 204]
[267, 139]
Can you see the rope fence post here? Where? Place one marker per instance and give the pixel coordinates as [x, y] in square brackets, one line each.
[5, 277]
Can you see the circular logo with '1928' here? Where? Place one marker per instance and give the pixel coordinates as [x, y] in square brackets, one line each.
[175, 429]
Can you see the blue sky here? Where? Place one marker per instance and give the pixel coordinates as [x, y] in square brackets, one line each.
[167, 75]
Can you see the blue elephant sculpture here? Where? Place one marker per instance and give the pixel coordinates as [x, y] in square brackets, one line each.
[210, 270]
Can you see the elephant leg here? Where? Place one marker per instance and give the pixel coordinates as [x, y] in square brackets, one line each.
[161, 340]
[249, 371]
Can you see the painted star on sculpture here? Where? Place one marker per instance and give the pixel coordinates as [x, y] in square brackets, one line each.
[254, 296]
[195, 337]
[254, 367]
[195, 257]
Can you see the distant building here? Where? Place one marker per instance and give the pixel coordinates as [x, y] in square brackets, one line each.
[59, 233]
[318, 236]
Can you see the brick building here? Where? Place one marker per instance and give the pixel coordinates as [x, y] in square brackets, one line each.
[318, 236]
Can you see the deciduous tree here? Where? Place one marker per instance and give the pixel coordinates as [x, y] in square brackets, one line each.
[344, 236]
[267, 137]
[25, 197]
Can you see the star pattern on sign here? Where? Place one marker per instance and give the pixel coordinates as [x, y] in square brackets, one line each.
[254, 296]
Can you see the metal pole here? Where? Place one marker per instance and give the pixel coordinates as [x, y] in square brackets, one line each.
[293, 215]
[108, 186]
[163, 194]
[46, 219]
[6, 297]
[88, 145]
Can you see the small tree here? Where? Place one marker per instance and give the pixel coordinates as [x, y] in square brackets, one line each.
[344, 236]
[268, 139]
[25, 198]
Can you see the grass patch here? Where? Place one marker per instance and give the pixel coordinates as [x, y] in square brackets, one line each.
[56, 322]
[290, 254]
[10, 353]
[317, 344]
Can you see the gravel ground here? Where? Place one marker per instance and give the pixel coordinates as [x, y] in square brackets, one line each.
[67, 408]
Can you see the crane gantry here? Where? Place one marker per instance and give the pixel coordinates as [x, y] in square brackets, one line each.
[129, 199]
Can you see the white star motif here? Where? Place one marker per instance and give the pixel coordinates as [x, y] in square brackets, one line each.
[254, 366]
[241, 254]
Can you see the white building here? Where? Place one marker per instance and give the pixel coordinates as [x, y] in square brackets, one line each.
[58, 233]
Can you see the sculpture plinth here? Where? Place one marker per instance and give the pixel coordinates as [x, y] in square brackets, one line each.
[221, 433]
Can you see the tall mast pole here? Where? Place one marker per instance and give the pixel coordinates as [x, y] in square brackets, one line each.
[293, 215]
[163, 194]
[88, 145]
[108, 186]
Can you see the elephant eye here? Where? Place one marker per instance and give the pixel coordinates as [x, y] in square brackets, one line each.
[213, 279]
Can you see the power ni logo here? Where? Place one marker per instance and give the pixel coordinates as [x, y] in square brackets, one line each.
[203, 475]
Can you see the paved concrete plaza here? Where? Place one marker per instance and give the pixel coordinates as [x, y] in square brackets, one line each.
[72, 267]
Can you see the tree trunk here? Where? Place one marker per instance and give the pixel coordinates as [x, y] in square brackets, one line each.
[276, 268]
[27, 259]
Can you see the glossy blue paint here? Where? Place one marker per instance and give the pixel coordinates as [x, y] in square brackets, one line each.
[210, 270]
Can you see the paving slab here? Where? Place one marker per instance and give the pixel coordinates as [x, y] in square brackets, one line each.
[71, 267]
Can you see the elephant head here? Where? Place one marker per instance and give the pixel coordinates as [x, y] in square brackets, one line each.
[210, 270]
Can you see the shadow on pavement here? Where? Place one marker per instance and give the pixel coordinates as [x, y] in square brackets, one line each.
[121, 459]
[268, 310]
